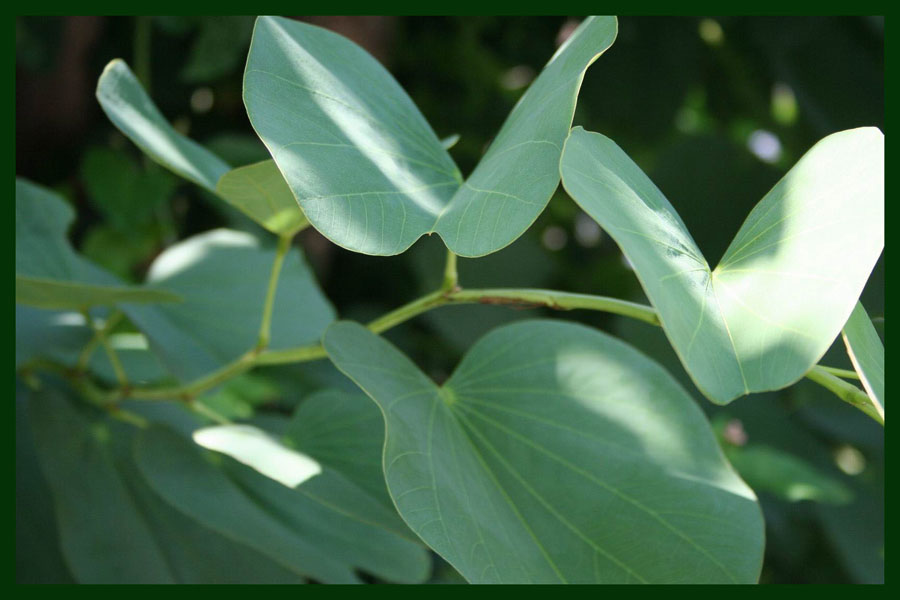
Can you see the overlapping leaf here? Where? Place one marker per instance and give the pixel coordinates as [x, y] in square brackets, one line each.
[551, 455]
[323, 528]
[222, 276]
[113, 528]
[345, 432]
[49, 273]
[867, 354]
[366, 167]
[788, 281]
[258, 190]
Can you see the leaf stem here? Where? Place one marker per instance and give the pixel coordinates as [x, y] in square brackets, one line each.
[528, 298]
[100, 334]
[845, 391]
[449, 293]
[451, 277]
[284, 245]
[843, 373]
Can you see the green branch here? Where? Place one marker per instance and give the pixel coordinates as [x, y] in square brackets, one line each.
[284, 245]
[847, 392]
[448, 293]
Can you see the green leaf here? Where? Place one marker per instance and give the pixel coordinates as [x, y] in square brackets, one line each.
[55, 294]
[125, 194]
[218, 48]
[324, 528]
[787, 282]
[103, 535]
[114, 528]
[132, 111]
[38, 556]
[345, 432]
[258, 190]
[49, 273]
[59, 335]
[368, 170]
[222, 276]
[262, 194]
[867, 354]
[771, 470]
[548, 453]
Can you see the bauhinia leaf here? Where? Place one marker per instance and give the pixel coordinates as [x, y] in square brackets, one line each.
[369, 171]
[261, 193]
[113, 527]
[548, 453]
[323, 528]
[344, 431]
[867, 354]
[49, 273]
[222, 276]
[103, 535]
[258, 190]
[788, 281]
[132, 111]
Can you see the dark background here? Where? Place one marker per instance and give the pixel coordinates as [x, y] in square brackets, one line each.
[715, 109]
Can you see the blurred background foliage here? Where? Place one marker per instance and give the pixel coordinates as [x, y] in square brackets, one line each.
[714, 109]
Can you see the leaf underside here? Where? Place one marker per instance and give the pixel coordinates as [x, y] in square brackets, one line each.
[548, 453]
[788, 281]
[366, 167]
[49, 273]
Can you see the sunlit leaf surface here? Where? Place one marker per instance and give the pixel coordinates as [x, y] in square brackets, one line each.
[367, 168]
[549, 454]
[788, 281]
[867, 353]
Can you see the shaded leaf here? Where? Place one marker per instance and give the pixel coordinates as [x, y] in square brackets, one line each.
[38, 556]
[787, 282]
[49, 273]
[222, 276]
[324, 528]
[103, 535]
[344, 431]
[788, 477]
[125, 194]
[368, 170]
[549, 451]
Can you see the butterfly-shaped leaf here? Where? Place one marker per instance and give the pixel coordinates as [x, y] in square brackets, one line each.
[366, 167]
[788, 281]
[553, 454]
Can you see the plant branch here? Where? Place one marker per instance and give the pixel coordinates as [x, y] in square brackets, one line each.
[843, 373]
[451, 277]
[284, 245]
[100, 335]
[845, 391]
[526, 298]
